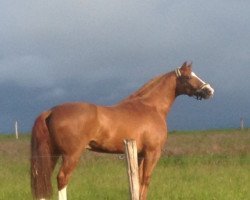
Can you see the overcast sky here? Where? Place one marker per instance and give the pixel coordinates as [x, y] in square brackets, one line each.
[100, 51]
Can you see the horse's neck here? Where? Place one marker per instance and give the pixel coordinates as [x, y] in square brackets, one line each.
[163, 95]
[158, 93]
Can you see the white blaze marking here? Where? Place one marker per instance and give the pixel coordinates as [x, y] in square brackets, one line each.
[62, 194]
[206, 86]
[194, 75]
[211, 89]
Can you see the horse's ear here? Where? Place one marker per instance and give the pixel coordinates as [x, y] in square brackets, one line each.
[190, 64]
[184, 65]
[187, 64]
[186, 68]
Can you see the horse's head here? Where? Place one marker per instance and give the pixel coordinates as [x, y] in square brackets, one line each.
[190, 84]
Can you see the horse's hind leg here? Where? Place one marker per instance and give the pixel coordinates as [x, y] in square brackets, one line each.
[68, 165]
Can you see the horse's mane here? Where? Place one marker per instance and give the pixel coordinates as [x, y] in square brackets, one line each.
[146, 88]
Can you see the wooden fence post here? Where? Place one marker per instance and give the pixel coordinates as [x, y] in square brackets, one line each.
[131, 155]
[241, 123]
[16, 129]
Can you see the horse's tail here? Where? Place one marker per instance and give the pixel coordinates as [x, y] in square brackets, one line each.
[41, 158]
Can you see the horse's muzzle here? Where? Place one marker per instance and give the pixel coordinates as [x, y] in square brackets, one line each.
[205, 92]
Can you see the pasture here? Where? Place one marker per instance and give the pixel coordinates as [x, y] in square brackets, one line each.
[195, 165]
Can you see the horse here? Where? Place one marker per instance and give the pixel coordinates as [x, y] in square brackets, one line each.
[67, 130]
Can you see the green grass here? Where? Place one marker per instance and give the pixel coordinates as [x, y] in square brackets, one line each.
[185, 177]
[212, 131]
[205, 177]
[207, 166]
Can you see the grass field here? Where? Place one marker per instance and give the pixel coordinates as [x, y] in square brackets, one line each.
[196, 165]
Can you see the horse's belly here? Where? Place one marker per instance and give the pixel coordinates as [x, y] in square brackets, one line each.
[109, 146]
[106, 147]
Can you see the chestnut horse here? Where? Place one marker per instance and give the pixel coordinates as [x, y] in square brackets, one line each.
[68, 129]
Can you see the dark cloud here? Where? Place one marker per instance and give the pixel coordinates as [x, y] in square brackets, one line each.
[100, 51]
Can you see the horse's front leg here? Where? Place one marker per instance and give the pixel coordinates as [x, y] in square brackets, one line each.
[140, 168]
[149, 163]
